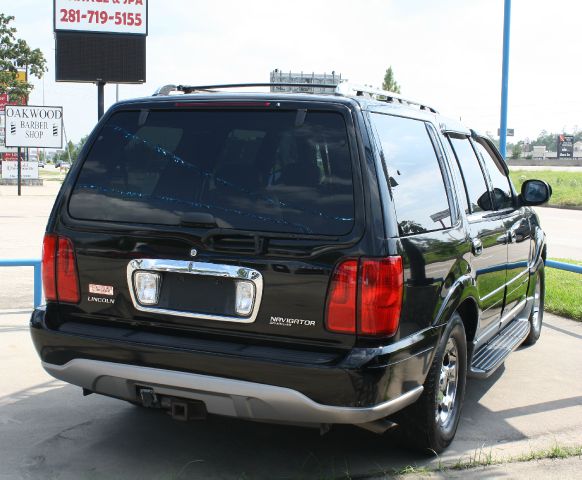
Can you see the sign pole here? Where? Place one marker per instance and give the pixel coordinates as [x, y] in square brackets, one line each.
[505, 79]
[100, 99]
[19, 173]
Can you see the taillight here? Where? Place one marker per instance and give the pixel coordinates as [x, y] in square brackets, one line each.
[59, 270]
[341, 299]
[366, 297]
[49, 257]
[67, 278]
[380, 301]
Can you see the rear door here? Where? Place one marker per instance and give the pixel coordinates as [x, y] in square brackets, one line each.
[487, 229]
[518, 231]
[219, 219]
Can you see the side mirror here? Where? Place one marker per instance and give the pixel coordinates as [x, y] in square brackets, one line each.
[535, 192]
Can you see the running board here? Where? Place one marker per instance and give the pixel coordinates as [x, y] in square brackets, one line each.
[490, 357]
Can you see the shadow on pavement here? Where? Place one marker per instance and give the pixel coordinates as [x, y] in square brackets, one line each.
[59, 433]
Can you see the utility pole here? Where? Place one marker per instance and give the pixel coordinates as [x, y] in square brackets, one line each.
[100, 99]
[505, 79]
[19, 173]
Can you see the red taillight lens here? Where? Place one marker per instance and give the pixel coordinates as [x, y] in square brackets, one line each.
[380, 302]
[67, 278]
[341, 299]
[49, 256]
[369, 293]
[60, 280]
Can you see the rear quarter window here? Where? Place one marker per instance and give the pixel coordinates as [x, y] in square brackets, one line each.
[415, 175]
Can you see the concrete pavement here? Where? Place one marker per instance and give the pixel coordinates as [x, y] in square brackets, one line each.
[49, 430]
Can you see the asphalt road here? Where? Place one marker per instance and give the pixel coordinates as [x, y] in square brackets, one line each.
[564, 232]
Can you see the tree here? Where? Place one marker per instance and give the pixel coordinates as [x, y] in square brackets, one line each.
[71, 149]
[16, 54]
[517, 151]
[390, 83]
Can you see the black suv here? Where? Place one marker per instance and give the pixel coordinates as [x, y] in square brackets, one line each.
[294, 258]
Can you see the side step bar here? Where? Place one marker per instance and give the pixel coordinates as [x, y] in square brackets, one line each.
[490, 357]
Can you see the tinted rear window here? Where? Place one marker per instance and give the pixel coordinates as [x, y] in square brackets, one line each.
[256, 170]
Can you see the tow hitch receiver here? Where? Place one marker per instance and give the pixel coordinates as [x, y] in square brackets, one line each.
[178, 408]
[188, 410]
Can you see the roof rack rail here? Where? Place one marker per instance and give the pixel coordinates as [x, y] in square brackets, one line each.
[165, 90]
[349, 89]
[344, 89]
[210, 88]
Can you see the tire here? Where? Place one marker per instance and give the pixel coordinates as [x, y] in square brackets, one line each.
[536, 316]
[427, 425]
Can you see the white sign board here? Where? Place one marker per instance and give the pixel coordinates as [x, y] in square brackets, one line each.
[31, 126]
[102, 16]
[29, 170]
[3, 148]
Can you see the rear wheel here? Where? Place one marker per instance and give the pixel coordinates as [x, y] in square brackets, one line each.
[431, 422]
[537, 312]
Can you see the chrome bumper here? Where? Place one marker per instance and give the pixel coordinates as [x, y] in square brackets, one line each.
[222, 396]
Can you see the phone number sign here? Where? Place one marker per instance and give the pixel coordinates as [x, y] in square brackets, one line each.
[102, 16]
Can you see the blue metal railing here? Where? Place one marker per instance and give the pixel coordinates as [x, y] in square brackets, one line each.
[36, 264]
[564, 266]
[37, 274]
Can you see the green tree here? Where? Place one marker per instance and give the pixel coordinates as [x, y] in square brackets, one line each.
[516, 151]
[390, 83]
[72, 151]
[16, 54]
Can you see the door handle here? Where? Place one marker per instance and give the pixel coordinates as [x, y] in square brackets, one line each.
[477, 247]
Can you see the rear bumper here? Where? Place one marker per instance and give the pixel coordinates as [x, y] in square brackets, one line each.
[285, 384]
[222, 396]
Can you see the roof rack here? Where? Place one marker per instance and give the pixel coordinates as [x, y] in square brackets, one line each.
[344, 89]
[349, 89]
[167, 89]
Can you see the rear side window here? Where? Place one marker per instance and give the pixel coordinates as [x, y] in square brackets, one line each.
[415, 175]
[252, 170]
[499, 181]
[477, 192]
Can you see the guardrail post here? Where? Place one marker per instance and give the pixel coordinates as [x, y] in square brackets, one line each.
[28, 262]
[37, 284]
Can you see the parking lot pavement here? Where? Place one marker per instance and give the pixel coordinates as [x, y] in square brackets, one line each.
[49, 430]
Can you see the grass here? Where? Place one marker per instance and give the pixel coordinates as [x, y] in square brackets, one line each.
[479, 458]
[51, 175]
[566, 186]
[564, 291]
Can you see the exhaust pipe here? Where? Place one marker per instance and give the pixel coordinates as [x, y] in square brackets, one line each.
[378, 426]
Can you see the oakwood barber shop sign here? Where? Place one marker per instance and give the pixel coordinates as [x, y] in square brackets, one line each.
[32, 126]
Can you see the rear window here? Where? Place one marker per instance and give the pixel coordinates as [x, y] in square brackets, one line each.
[280, 171]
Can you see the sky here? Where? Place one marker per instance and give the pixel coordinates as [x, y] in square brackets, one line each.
[447, 53]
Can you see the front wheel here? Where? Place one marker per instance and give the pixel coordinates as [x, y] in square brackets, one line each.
[536, 316]
[431, 422]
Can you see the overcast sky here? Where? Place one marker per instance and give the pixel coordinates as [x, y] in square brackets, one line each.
[446, 53]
